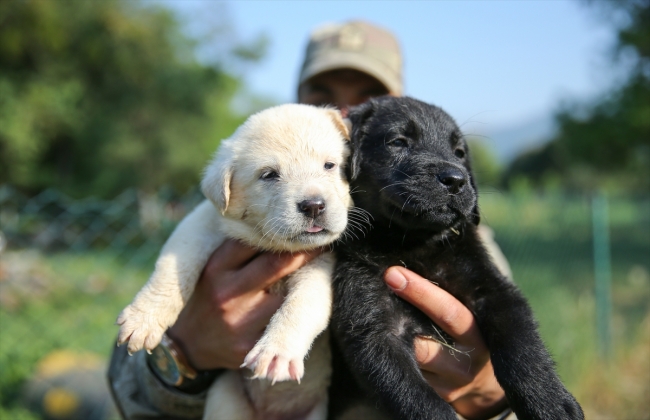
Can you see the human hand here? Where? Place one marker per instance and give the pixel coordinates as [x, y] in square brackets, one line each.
[464, 378]
[231, 305]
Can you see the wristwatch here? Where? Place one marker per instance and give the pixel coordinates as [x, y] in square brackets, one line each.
[169, 364]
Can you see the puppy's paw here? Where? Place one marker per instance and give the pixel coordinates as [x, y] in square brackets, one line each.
[564, 406]
[274, 364]
[142, 328]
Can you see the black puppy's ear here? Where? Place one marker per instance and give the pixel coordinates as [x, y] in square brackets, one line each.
[358, 116]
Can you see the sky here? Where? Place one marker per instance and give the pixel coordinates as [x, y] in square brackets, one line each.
[493, 65]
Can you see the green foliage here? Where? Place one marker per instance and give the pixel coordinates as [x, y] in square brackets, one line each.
[605, 144]
[485, 165]
[17, 413]
[99, 96]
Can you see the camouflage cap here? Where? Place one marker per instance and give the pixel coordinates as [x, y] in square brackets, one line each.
[355, 45]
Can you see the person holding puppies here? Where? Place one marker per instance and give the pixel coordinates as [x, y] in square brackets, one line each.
[344, 65]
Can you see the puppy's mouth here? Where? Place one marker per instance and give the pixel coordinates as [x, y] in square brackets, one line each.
[314, 229]
[406, 209]
[313, 235]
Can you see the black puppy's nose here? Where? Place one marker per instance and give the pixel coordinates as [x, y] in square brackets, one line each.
[453, 179]
[312, 208]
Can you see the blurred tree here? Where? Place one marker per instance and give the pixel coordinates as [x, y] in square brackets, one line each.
[485, 165]
[98, 96]
[606, 143]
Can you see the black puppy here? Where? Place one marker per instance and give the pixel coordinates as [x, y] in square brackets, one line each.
[411, 171]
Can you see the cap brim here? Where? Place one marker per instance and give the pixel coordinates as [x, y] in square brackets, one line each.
[335, 60]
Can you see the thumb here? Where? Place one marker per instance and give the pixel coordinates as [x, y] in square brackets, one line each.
[395, 279]
[399, 278]
[444, 309]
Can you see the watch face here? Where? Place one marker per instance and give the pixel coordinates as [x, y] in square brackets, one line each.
[165, 365]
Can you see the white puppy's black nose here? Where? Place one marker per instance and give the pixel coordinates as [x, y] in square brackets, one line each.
[312, 207]
[453, 179]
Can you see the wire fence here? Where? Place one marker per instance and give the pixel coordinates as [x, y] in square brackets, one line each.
[67, 267]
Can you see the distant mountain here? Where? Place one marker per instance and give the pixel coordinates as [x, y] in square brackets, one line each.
[510, 141]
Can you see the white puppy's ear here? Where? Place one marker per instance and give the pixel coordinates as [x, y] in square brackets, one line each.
[218, 175]
[344, 125]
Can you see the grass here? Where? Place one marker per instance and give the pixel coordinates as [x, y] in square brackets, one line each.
[70, 300]
[63, 301]
[549, 245]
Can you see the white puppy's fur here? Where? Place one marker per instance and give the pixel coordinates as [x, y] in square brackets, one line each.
[278, 159]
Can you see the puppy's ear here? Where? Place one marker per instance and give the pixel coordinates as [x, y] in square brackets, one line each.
[344, 125]
[358, 117]
[217, 178]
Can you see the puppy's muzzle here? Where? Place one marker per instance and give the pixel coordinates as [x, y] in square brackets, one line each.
[453, 179]
[312, 207]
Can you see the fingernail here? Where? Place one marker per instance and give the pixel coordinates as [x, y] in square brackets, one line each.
[395, 280]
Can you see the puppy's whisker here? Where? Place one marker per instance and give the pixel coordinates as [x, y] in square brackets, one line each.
[356, 226]
[351, 233]
[355, 222]
[355, 190]
[360, 210]
[409, 176]
[273, 229]
[359, 215]
[470, 119]
[406, 202]
[390, 222]
[465, 135]
[359, 224]
[391, 185]
[272, 220]
[281, 230]
[360, 218]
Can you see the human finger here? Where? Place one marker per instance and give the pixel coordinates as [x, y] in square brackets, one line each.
[255, 311]
[267, 268]
[448, 366]
[445, 310]
[230, 255]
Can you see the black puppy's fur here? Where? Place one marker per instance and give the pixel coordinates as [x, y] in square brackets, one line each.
[411, 171]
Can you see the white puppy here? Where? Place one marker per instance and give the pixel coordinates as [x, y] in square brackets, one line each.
[277, 184]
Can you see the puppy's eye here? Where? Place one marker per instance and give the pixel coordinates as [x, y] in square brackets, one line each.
[329, 165]
[398, 142]
[269, 175]
[460, 153]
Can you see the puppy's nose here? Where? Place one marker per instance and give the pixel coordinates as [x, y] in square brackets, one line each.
[312, 207]
[453, 179]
